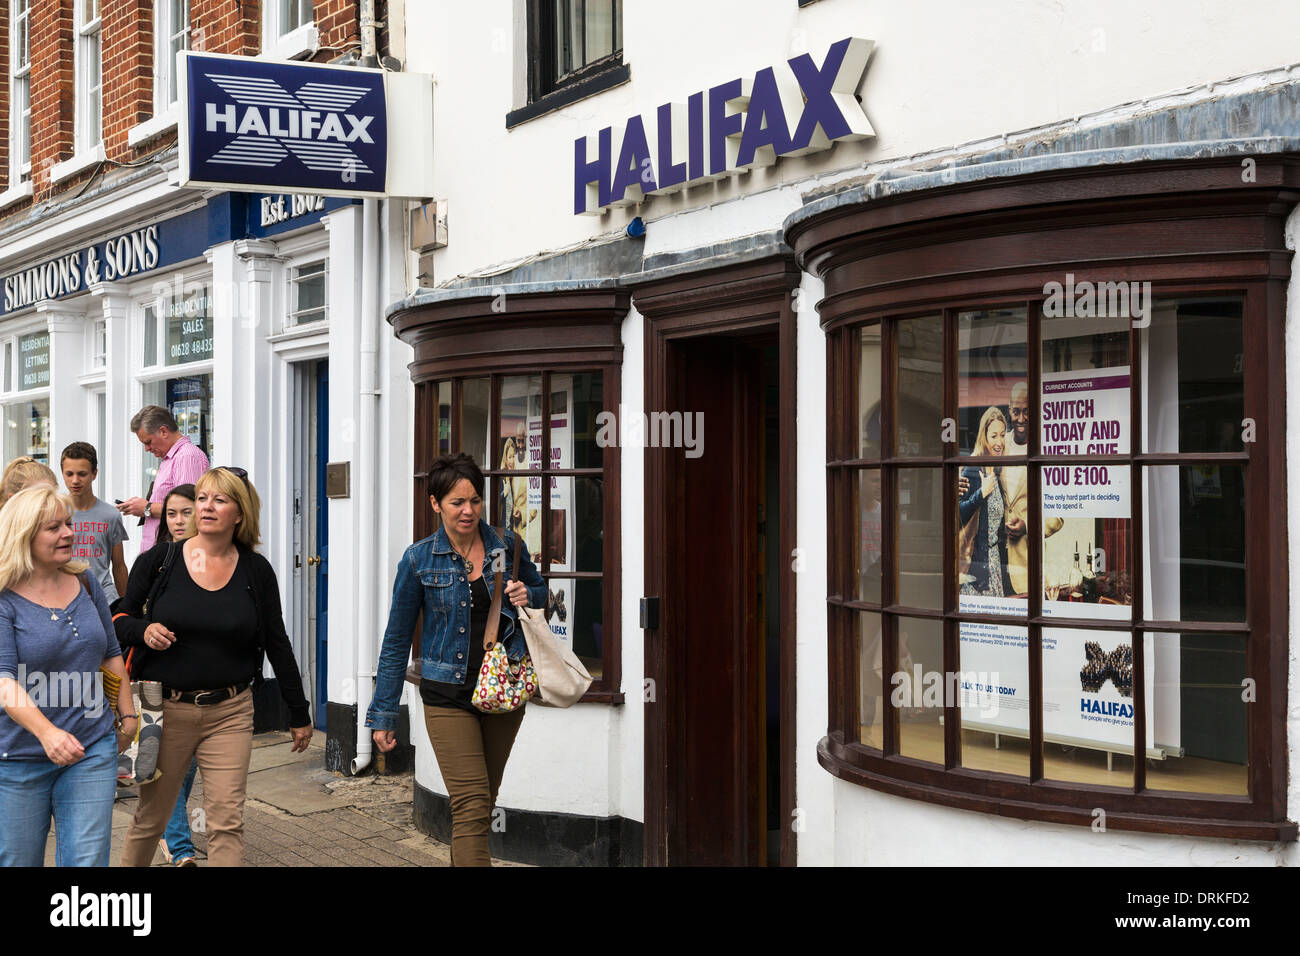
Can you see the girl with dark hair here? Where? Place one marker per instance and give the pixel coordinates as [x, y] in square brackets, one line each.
[443, 577]
[177, 842]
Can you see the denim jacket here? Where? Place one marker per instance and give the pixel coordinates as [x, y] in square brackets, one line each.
[431, 578]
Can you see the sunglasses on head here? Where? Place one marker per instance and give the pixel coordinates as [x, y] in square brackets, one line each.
[236, 471]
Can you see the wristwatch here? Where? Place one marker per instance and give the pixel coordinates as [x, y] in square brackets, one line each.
[147, 506]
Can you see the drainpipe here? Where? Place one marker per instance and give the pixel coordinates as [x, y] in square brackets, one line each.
[367, 468]
[367, 434]
[369, 52]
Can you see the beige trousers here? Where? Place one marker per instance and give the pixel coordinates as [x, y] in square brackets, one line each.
[221, 737]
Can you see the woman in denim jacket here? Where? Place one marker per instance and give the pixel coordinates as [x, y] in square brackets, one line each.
[442, 577]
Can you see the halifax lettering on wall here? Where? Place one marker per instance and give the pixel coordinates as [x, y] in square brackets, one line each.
[796, 108]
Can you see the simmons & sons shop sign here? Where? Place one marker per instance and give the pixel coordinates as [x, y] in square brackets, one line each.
[129, 255]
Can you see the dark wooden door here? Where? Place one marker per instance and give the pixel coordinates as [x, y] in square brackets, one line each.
[715, 648]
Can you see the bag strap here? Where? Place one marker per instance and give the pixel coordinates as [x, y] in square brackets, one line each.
[156, 588]
[494, 612]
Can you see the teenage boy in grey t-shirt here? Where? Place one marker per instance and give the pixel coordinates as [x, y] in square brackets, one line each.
[97, 524]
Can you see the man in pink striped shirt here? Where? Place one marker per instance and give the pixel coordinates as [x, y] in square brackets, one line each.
[182, 463]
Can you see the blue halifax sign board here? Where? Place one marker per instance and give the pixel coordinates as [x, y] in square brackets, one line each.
[793, 109]
[254, 124]
[124, 257]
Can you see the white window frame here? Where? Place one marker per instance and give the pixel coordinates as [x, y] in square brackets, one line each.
[97, 343]
[12, 376]
[20, 76]
[164, 71]
[295, 279]
[89, 68]
[282, 40]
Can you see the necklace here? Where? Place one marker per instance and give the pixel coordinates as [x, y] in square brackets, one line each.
[469, 565]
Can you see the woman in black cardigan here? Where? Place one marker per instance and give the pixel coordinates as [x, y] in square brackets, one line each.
[215, 611]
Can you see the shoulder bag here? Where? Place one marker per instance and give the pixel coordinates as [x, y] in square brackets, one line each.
[561, 677]
[501, 686]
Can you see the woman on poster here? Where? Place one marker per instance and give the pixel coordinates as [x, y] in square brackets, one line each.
[981, 513]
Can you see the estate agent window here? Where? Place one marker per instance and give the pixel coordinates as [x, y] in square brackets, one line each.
[1052, 500]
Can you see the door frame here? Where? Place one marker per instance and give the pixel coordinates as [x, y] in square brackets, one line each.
[752, 297]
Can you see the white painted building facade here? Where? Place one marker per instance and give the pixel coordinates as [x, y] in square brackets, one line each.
[957, 95]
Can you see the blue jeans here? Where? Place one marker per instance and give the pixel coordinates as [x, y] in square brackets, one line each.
[79, 797]
[180, 842]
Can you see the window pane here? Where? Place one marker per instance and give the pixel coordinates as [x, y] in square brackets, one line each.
[150, 336]
[520, 424]
[27, 430]
[475, 400]
[919, 524]
[189, 399]
[870, 701]
[189, 328]
[1088, 706]
[599, 29]
[444, 418]
[34, 360]
[991, 552]
[920, 387]
[916, 688]
[867, 345]
[574, 613]
[1198, 716]
[1194, 376]
[992, 396]
[993, 675]
[9, 367]
[310, 286]
[583, 392]
[1087, 547]
[1195, 542]
[577, 525]
[867, 508]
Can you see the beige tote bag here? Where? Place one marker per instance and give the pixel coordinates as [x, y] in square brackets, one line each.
[561, 678]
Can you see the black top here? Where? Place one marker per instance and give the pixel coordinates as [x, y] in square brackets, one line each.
[216, 632]
[259, 584]
[438, 694]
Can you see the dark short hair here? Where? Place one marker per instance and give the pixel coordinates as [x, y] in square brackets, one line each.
[446, 470]
[83, 450]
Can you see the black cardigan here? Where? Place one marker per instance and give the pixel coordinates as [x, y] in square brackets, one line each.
[271, 636]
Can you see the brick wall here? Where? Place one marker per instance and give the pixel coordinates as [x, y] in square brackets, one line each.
[4, 96]
[126, 36]
[127, 43]
[226, 26]
[53, 81]
[339, 24]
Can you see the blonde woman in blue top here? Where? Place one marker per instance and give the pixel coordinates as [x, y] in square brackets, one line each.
[58, 749]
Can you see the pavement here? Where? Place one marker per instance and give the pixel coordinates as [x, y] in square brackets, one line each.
[300, 814]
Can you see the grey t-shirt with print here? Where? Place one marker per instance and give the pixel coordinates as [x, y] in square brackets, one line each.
[99, 529]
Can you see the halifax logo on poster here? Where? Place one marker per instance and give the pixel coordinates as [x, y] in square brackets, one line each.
[257, 124]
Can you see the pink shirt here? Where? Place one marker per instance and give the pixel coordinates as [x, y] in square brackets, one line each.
[181, 466]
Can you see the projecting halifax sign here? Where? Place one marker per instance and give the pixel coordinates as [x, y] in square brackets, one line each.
[253, 124]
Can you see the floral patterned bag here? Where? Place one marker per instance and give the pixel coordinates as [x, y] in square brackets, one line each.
[501, 687]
